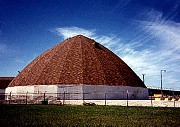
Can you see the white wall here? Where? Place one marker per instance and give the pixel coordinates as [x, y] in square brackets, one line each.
[80, 92]
[101, 92]
[75, 90]
[36, 91]
[114, 92]
[50, 92]
[45, 89]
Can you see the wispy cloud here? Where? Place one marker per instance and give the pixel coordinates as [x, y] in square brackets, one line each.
[166, 34]
[67, 32]
[121, 4]
[163, 54]
[19, 60]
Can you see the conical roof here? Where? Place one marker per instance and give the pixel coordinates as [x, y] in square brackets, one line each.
[77, 60]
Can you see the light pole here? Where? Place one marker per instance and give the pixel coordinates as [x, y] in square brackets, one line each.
[161, 82]
[143, 78]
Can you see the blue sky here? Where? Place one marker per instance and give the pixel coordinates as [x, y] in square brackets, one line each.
[144, 33]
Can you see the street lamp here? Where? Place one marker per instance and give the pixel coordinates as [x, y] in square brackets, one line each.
[161, 82]
[143, 77]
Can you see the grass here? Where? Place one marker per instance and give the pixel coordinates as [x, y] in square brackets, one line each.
[52, 115]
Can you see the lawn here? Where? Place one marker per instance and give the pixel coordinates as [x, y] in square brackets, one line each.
[53, 115]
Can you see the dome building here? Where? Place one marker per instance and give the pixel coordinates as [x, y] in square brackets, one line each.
[79, 65]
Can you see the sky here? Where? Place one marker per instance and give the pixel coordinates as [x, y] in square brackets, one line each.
[143, 33]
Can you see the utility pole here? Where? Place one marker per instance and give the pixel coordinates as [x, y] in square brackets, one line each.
[143, 78]
[161, 82]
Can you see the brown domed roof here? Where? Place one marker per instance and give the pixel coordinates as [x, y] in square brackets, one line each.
[77, 60]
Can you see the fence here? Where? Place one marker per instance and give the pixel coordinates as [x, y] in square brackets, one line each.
[66, 98]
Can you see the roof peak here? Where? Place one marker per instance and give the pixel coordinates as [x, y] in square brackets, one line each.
[80, 36]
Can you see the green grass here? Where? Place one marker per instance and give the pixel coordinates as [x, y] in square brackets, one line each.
[39, 115]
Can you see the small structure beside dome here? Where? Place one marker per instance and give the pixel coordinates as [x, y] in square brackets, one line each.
[4, 82]
[79, 65]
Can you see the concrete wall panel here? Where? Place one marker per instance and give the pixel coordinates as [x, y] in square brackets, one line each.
[83, 92]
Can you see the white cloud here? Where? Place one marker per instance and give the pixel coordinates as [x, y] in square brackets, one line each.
[166, 34]
[19, 61]
[67, 32]
[108, 41]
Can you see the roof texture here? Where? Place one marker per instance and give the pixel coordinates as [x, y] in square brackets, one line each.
[77, 60]
[4, 82]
